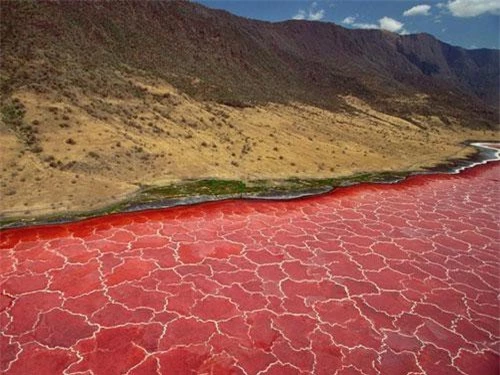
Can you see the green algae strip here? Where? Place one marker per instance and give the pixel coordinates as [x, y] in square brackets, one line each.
[293, 186]
[184, 192]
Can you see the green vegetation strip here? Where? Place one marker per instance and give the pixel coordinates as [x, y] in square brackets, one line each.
[188, 191]
[256, 188]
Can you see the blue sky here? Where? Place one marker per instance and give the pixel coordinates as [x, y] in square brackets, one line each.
[466, 23]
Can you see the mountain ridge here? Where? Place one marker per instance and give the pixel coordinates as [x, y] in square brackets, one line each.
[214, 55]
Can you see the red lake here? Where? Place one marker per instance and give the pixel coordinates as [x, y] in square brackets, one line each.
[371, 279]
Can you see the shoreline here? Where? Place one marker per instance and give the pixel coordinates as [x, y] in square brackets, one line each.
[272, 190]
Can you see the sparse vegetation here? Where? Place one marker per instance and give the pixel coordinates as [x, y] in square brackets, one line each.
[13, 113]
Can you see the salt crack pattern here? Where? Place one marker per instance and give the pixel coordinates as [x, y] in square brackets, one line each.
[373, 279]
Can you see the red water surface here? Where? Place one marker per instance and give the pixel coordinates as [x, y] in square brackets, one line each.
[374, 279]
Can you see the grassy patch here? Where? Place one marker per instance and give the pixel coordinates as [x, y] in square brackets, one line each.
[197, 187]
[379, 177]
[213, 188]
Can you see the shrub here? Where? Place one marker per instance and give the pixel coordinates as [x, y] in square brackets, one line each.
[13, 113]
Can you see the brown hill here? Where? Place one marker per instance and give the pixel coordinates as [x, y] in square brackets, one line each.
[102, 97]
[214, 55]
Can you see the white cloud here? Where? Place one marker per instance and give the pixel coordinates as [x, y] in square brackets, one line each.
[385, 23]
[390, 24]
[349, 20]
[418, 10]
[312, 14]
[473, 8]
[316, 16]
[301, 15]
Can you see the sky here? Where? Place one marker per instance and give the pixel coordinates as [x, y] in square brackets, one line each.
[466, 23]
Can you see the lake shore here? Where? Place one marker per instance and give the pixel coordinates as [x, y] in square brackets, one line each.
[205, 190]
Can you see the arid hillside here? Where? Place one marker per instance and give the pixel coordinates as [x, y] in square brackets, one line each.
[213, 55]
[102, 98]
